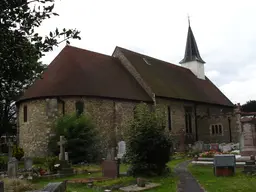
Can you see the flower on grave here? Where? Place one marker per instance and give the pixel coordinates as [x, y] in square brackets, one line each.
[56, 165]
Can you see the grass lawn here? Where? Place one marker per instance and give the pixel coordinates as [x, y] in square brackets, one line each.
[238, 183]
[167, 183]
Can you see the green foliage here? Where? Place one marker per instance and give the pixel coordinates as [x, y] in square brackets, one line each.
[81, 135]
[20, 50]
[50, 162]
[39, 160]
[148, 145]
[17, 152]
[3, 159]
[249, 106]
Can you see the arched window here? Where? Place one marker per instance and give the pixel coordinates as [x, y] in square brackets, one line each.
[79, 107]
[25, 113]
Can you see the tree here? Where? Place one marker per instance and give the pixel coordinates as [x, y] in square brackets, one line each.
[148, 145]
[21, 48]
[249, 106]
[82, 138]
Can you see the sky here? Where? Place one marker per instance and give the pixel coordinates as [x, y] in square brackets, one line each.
[224, 31]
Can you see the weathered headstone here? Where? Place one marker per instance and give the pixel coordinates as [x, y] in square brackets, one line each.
[182, 141]
[249, 139]
[198, 146]
[110, 166]
[28, 163]
[214, 146]
[1, 186]
[226, 148]
[54, 187]
[10, 145]
[66, 156]
[12, 168]
[206, 147]
[61, 143]
[121, 149]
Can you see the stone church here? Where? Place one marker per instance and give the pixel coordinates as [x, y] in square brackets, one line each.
[109, 88]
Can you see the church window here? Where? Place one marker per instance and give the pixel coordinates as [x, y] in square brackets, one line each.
[188, 119]
[169, 118]
[216, 129]
[25, 113]
[79, 107]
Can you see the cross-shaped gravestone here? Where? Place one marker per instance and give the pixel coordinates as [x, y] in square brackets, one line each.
[10, 145]
[62, 150]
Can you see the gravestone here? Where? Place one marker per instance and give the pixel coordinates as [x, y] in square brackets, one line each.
[1, 186]
[214, 146]
[110, 166]
[226, 148]
[10, 145]
[28, 163]
[12, 168]
[121, 149]
[65, 167]
[66, 156]
[54, 187]
[61, 143]
[182, 141]
[198, 146]
[206, 147]
[249, 139]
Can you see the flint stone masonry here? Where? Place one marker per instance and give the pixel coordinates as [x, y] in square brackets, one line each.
[112, 117]
[34, 134]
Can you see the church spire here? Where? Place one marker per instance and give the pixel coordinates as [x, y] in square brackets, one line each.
[191, 52]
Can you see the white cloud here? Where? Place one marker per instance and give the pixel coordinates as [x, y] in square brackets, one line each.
[224, 32]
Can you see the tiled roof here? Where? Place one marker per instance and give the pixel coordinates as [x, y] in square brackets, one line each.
[173, 81]
[78, 72]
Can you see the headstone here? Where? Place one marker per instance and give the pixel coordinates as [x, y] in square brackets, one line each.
[110, 166]
[226, 148]
[61, 143]
[54, 187]
[111, 154]
[214, 146]
[10, 145]
[249, 139]
[121, 149]
[1, 186]
[206, 147]
[182, 141]
[199, 146]
[12, 168]
[28, 163]
[66, 156]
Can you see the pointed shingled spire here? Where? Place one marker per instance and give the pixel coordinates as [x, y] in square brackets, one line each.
[191, 52]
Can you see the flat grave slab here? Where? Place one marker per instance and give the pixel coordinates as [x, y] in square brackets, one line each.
[132, 188]
[88, 180]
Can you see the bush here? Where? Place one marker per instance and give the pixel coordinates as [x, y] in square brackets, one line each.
[17, 152]
[50, 163]
[81, 135]
[148, 146]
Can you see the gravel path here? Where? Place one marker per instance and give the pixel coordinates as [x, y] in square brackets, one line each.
[187, 182]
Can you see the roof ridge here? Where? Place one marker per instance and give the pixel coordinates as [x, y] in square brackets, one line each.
[165, 62]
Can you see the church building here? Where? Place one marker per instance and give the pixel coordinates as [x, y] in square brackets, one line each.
[109, 88]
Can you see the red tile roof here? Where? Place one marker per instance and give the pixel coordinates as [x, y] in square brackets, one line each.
[78, 72]
[173, 81]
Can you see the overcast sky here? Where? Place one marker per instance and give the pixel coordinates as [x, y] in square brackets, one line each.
[225, 32]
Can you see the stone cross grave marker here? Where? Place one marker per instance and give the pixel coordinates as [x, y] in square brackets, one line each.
[28, 162]
[62, 149]
[12, 168]
[121, 149]
[10, 145]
